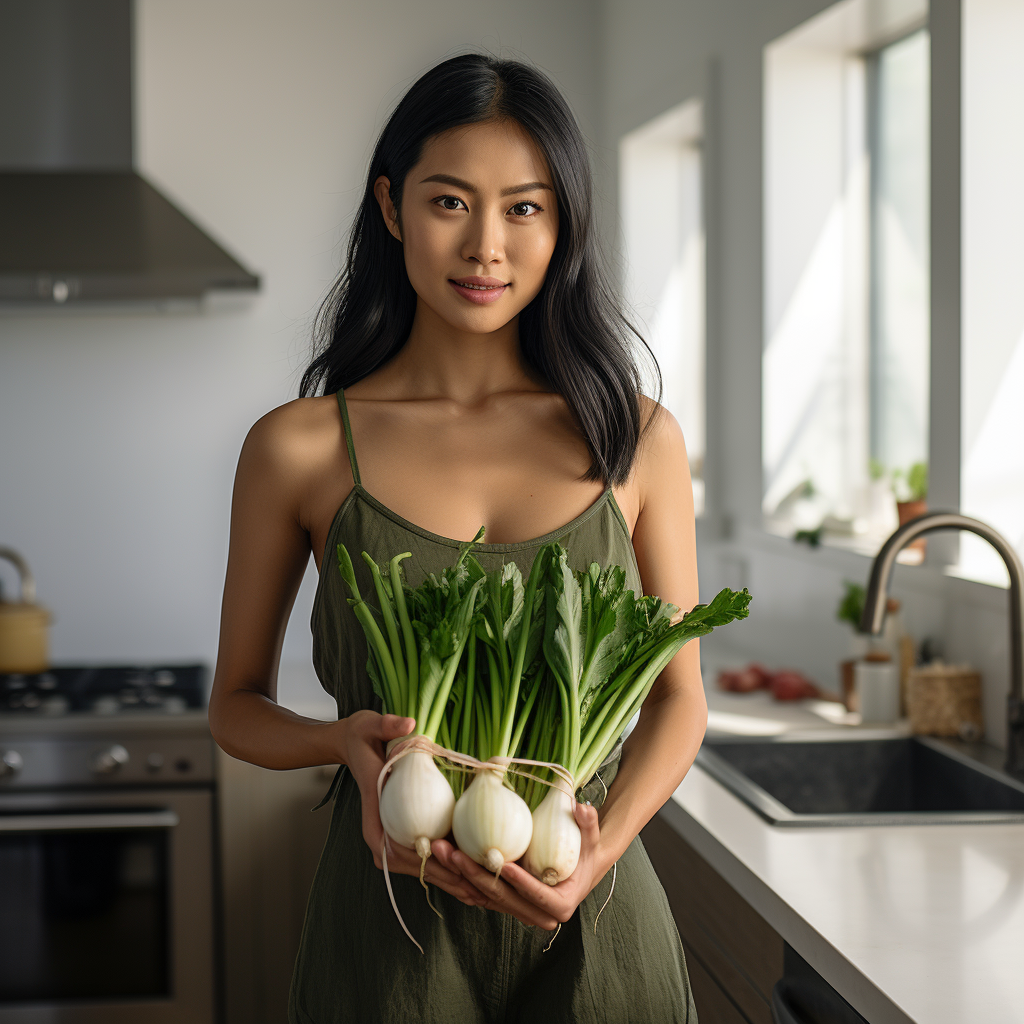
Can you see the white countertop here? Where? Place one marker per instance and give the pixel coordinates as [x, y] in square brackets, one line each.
[921, 923]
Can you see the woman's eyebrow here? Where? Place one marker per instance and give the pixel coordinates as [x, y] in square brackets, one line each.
[450, 179]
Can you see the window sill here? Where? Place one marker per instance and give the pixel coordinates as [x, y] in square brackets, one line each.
[947, 581]
[972, 570]
[867, 545]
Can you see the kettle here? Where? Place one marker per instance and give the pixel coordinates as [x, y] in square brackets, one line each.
[23, 624]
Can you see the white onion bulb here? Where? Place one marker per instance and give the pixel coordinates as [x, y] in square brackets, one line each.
[554, 849]
[492, 824]
[416, 803]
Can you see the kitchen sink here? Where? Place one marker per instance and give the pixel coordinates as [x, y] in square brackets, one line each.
[810, 780]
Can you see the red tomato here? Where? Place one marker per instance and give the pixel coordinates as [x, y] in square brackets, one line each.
[790, 685]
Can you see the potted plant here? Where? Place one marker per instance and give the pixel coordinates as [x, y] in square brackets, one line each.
[911, 490]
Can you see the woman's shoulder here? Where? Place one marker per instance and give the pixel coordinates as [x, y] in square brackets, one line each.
[662, 449]
[298, 420]
[661, 432]
[295, 439]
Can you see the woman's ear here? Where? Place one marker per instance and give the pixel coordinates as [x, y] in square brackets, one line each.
[381, 188]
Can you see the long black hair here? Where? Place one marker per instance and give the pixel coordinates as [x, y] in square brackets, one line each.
[573, 333]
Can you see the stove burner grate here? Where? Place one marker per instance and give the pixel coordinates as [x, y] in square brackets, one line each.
[105, 690]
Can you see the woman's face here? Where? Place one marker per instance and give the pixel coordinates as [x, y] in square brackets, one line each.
[478, 208]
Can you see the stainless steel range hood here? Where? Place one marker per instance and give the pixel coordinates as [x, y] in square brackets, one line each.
[72, 236]
[78, 222]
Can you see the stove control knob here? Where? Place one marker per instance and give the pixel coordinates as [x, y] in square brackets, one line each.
[10, 763]
[56, 704]
[110, 760]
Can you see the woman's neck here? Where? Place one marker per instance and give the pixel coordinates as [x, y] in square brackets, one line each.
[439, 361]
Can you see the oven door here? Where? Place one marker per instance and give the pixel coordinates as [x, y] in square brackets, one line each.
[106, 907]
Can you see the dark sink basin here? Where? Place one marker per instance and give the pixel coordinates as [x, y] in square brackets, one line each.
[853, 780]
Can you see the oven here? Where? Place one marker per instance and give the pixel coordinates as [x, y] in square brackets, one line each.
[108, 882]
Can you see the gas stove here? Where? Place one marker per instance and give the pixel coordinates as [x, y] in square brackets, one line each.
[156, 690]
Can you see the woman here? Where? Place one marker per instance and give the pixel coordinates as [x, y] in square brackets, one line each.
[473, 357]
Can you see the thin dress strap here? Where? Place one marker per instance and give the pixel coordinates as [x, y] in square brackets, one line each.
[348, 438]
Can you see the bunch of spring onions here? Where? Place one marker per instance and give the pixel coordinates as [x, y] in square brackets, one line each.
[498, 670]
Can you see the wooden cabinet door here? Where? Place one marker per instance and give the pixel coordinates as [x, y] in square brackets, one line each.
[734, 956]
[270, 848]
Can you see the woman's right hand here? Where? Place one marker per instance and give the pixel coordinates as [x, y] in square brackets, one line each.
[365, 736]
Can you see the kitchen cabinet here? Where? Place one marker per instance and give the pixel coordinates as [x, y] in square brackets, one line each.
[734, 957]
[270, 846]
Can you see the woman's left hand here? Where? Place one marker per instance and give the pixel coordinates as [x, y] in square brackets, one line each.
[559, 901]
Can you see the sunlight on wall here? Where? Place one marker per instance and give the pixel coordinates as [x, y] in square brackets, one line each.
[815, 356]
[805, 386]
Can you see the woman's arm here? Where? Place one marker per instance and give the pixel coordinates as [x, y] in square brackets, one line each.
[267, 556]
[664, 743]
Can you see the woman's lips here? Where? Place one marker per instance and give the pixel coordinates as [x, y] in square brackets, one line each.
[481, 296]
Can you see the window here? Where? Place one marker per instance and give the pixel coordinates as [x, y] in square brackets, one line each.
[662, 208]
[898, 155]
[845, 362]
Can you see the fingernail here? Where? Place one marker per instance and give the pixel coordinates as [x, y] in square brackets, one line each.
[589, 804]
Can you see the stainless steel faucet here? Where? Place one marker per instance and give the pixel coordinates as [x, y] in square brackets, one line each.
[877, 592]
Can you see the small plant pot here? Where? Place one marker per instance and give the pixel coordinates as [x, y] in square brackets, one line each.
[908, 510]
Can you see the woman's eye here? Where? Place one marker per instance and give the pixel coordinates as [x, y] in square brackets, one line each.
[444, 199]
[519, 206]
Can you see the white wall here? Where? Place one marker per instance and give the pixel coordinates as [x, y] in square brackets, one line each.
[993, 311]
[119, 433]
[658, 54]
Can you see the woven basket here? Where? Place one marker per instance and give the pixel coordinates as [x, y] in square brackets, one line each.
[945, 700]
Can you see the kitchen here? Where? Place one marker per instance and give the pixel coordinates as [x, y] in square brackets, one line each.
[120, 426]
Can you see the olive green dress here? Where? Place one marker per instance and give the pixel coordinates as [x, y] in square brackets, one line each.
[354, 963]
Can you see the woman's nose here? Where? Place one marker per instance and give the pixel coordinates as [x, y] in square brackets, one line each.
[485, 240]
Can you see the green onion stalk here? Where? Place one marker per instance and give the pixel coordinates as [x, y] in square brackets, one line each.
[491, 705]
[605, 649]
[415, 680]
